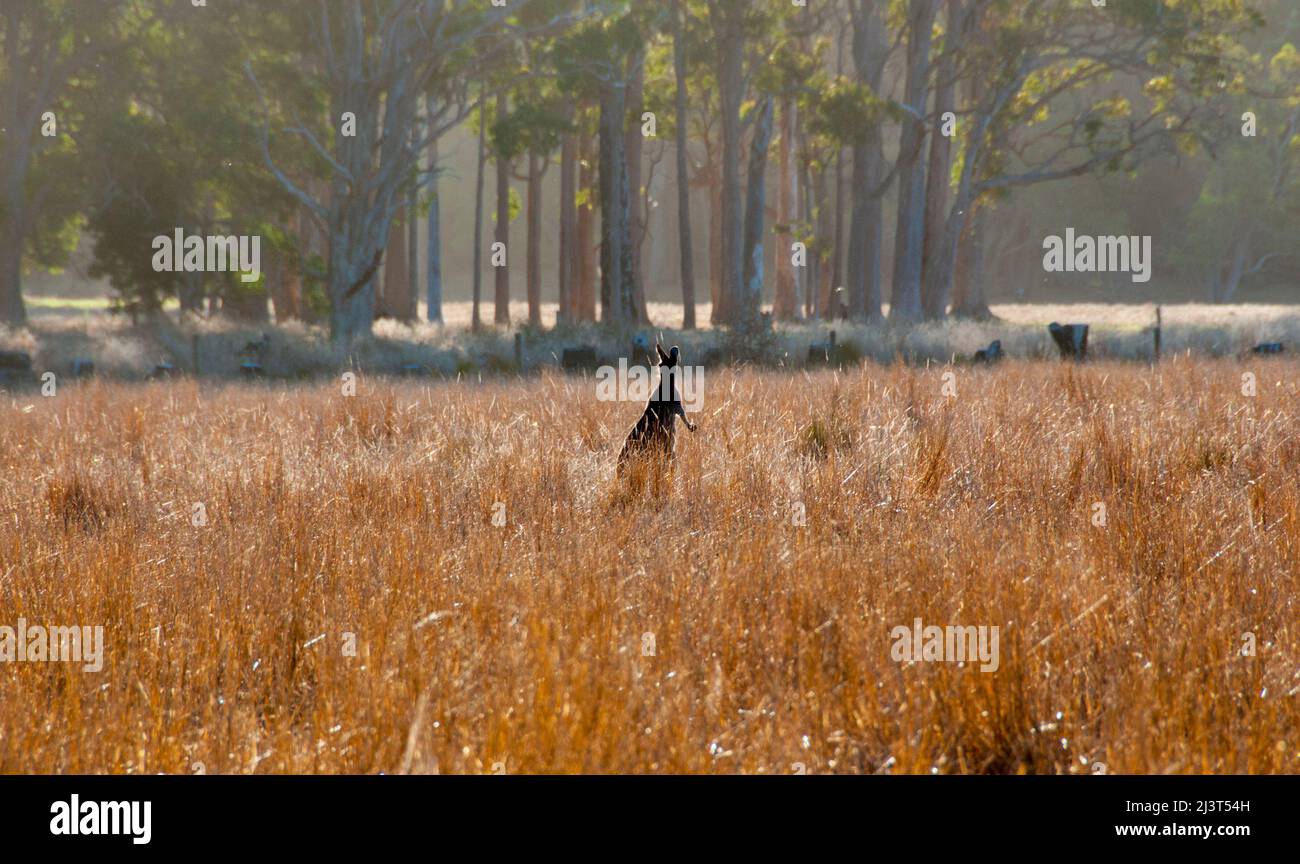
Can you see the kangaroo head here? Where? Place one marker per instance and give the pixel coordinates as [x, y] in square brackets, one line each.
[669, 358]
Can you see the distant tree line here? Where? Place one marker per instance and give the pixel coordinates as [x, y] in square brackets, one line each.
[316, 125]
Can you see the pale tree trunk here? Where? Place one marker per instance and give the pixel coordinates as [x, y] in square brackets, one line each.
[411, 313]
[860, 227]
[943, 264]
[655, 218]
[716, 266]
[282, 284]
[289, 305]
[357, 238]
[731, 81]
[750, 301]
[1233, 273]
[584, 295]
[909, 238]
[355, 256]
[395, 289]
[807, 281]
[865, 258]
[534, 266]
[785, 305]
[502, 273]
[476, 320]
[409, 310]
[634, 147]
[829, 225]
[968, 287]
[433, 237]
[935, 287]
[683, 174]
[351, 289]
[568, 226]
[617, 297]
[833, 276]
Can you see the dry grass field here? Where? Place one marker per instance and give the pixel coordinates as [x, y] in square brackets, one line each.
[350, 605]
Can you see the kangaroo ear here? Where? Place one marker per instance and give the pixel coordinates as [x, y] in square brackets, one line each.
[663, 358]
[673, 356]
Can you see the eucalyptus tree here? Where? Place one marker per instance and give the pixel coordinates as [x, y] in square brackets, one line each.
[685, 247]
[1051, 97]
[595, 60]
[1246, 218]
[48, 50]
[168, 142]
[375, 62]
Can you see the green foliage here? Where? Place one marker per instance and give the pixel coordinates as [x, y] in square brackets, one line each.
[533, 126]
[845, 111]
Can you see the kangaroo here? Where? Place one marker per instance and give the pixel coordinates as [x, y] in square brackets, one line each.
[653, 433]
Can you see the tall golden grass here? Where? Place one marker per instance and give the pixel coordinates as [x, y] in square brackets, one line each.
[527, 647]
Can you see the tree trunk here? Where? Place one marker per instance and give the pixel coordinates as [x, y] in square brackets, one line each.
[351, 289]
[411, 312]
[807, 282]
[857, 252]
[190, 293]
[785, 305]
[617, 298]
[584, 245]
[965, 203]
[18, 120]
[1236, 270]
[282, 284]
[862, 277]
[568, 226]
[534, 267]
[828, 221]
[936, 286]
[750, 301]
[683, 175]
[433, 232]
[716, 266]
[475, 320]
[395, 291]
[502, 273]
[909, 239]
[732, 84]
[633, 147]
[192, 290]
[969, 299]
[12, 310]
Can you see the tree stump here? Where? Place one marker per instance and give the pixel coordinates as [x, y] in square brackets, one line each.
[581, 357]
[822, 352]
[1071, 340]
[991, 354]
